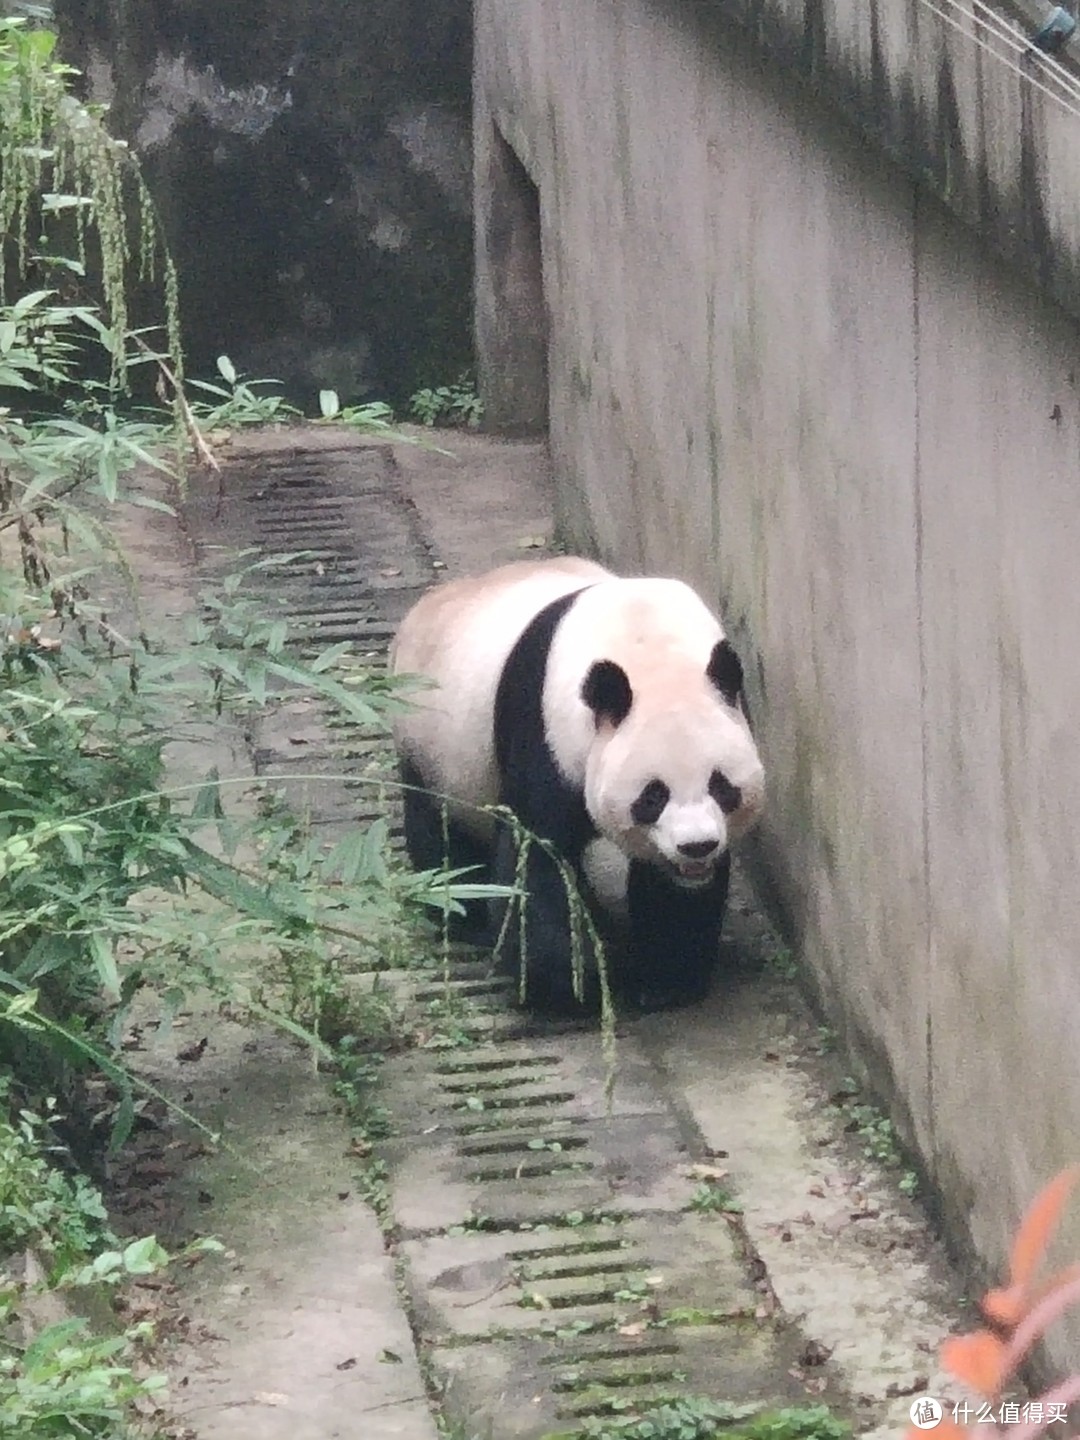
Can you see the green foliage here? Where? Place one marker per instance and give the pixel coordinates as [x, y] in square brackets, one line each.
[101, 864]
[782, 963]
[60, 1214]
[711, 1197]
[826, 1040]
[238, 402]
[586, 943]
[68, 1384]
[456, 405]
[63, 1381]
[877, 1134]
[69, 183]
[474, 1224]
[376, 417]
[111, 881]
[355, 1082]
[635, 1289]
[694, 1417]
[373, 418]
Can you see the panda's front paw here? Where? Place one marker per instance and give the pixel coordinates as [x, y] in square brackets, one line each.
[471, 928]
[549, 989]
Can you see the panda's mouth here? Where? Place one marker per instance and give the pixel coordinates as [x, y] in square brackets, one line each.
[694, 874]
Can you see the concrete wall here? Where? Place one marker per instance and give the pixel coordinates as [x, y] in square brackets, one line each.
[311, 162]
[780, 370]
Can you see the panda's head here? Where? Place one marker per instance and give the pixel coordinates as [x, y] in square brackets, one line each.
[673, 774]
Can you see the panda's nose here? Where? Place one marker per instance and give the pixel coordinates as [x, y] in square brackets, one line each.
[698, 849]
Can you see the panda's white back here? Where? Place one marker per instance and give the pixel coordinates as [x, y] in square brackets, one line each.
[460, 635]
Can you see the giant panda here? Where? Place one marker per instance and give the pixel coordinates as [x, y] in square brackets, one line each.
[607, 714]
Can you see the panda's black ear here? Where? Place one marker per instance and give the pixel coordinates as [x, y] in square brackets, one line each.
[725, 671]
[606, 691]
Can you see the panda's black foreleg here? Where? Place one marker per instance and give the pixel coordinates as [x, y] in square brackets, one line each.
[434, 842]
[547, 931]
[674, 936]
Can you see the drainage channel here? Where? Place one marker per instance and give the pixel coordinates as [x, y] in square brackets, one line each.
[556, 1266]
[352, 562]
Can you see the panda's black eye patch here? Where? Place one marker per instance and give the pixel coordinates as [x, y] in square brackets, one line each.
[726, 795]
[649, 805]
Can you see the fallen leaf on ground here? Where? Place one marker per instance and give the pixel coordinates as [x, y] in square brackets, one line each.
[708, 1172]
[814, 1353]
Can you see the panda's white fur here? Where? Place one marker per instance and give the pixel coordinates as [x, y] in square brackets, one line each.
[459, 635]
[471, 639]
[606, 870]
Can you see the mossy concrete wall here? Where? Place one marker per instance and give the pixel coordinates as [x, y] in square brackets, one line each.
[312, 164]
[786, 371]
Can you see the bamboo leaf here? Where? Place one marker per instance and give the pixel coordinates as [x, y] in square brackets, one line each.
[225, 883]
[101, 952]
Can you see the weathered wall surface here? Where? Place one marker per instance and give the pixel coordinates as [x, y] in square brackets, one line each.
[312, 164]
[781, 371]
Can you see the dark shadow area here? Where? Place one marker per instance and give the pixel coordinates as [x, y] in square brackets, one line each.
[312, 165]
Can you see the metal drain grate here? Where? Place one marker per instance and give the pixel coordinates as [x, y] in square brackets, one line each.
[362, 563]
[554, 1269]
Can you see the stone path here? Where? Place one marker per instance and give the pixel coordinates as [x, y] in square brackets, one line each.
[539, 1238]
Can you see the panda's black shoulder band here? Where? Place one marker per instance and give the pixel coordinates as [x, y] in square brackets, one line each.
[530, 781]
[725, 671]
[519, 706]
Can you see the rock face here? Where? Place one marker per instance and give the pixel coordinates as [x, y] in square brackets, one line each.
[313, 166]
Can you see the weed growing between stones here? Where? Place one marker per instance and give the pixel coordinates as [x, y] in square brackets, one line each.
[712, 1197]
[782, 963]
[460, 1429]
[877, 1134]
[696, 1417]
[446, 1024]
[826, 1040]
